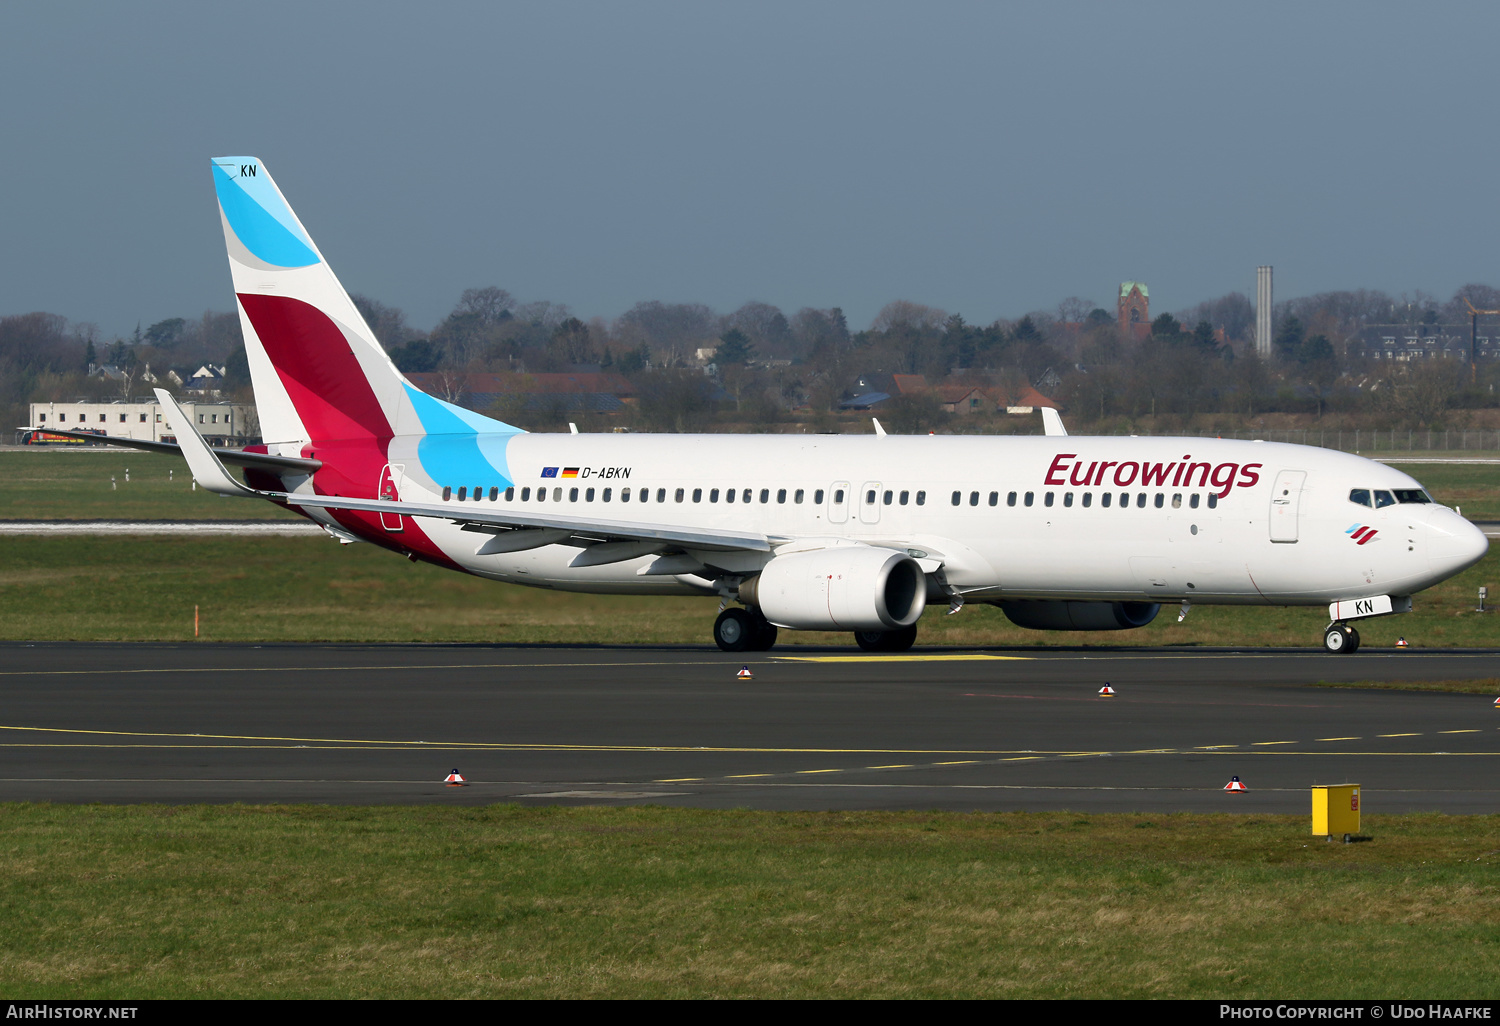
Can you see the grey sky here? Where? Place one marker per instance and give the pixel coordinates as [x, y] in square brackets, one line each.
[984, 158]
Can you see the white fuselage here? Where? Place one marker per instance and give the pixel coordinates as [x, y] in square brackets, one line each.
[1034, 517]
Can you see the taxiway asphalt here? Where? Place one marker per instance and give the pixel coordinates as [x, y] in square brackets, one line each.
[813, 729]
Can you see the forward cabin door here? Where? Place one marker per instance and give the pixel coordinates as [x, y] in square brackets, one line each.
[1286, 500]
[838, 502]
[390, 491]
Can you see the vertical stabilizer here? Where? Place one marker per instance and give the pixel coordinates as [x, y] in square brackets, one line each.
[320, 375]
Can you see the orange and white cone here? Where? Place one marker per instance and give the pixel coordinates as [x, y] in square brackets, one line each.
[1497, 703]
[1106, 692]
[1235, 786]
[745, 673]
[455, 779]
[1401, 643]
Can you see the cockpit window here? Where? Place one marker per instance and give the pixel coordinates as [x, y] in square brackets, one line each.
[1360, 496]
[1412, 495]
[1383, 499]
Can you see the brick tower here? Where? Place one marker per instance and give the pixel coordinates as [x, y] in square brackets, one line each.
[1134, 310]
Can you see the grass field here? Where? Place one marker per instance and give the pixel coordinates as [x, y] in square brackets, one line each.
[313, 589]
[48, 484]
[504, 901]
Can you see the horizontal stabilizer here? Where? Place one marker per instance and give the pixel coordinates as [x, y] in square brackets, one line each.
[234, 457]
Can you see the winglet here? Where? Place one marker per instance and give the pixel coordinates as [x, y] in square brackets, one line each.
[206, 468]
[1052, 423]
[878, 429]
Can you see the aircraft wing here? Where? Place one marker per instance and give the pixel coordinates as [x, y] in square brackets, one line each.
[238, 457]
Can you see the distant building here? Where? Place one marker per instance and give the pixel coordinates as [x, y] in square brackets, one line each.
[220, 423]
[1407, 342]
[1133, 310]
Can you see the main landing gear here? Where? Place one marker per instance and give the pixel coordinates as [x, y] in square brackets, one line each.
[744, 630]
[1341, 639]
[898, 640]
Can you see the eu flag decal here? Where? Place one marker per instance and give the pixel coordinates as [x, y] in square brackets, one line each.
[549, 471]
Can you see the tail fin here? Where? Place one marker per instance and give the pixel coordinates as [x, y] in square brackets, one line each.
[318, 371]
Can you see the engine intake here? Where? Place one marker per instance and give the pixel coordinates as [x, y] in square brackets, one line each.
[847, 588]
[1068, 615]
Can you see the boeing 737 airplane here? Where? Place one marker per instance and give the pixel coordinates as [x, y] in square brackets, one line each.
[801, 532]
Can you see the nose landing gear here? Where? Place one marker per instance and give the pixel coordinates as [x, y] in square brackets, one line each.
[1341, 639]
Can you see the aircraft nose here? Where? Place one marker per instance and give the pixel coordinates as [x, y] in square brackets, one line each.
[1454, 544]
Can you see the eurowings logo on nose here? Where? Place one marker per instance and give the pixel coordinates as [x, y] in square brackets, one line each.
[1361, 533]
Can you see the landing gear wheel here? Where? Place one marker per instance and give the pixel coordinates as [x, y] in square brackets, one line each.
[1340, 640]
[765, 632]
[898, 640]
[735, 631]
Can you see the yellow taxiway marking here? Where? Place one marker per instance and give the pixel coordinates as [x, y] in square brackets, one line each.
[1213, 748]
[746, 776]
[1022, 758]
[1274, 742]
[936, 658]
[344, 669]
[1398, 735]
[1476, 730]
[899, 765]
[958, 762]
[821, 771]
[678, 780]
[1336, 739]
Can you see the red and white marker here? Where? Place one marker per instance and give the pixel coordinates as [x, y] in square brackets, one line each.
[745, 673]
[1106, 692]
[456, 779]
[1401, 643]
[1234, 786]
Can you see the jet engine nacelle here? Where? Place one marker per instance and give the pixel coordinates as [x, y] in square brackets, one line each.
[1064, 615]
[845, 588]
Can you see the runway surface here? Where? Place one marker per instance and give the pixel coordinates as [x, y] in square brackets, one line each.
[813, 729]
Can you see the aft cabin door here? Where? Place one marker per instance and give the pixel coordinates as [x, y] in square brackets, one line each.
[390, 491]
[1286, 500]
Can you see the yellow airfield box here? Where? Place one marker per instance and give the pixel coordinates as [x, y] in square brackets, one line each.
[1335, 810]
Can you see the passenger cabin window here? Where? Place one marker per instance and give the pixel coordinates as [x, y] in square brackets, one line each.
[679, 494]
[887, 498]
[781, 495]
[1160, 500]
[607, 493]
[1104, 499]
[624, 494]
[838, 496]
[994, 498]
[1048, 500]
[797, 496]
[1030, 496]
[818, 497]
[869, 497]
[541, 495]
[572, 494]
[525, 495]
[1088, 499]
[557, 494]
[447, 494]
[1010, 500]
[494, 493]
[905, 497]
[1177, 500]
[957, 498]
[1382, 499]
[713, 495]
[1193, 501]
[697, 494]
[510, 494]
[463, 493]
[479, 493]
[661, 495]
[729, 495]
[973, 498]
[745, 495]
[1067, 498]
[1213, 500]
[921, 498]
[765, 496]
[588, 496]
[1140, 501]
